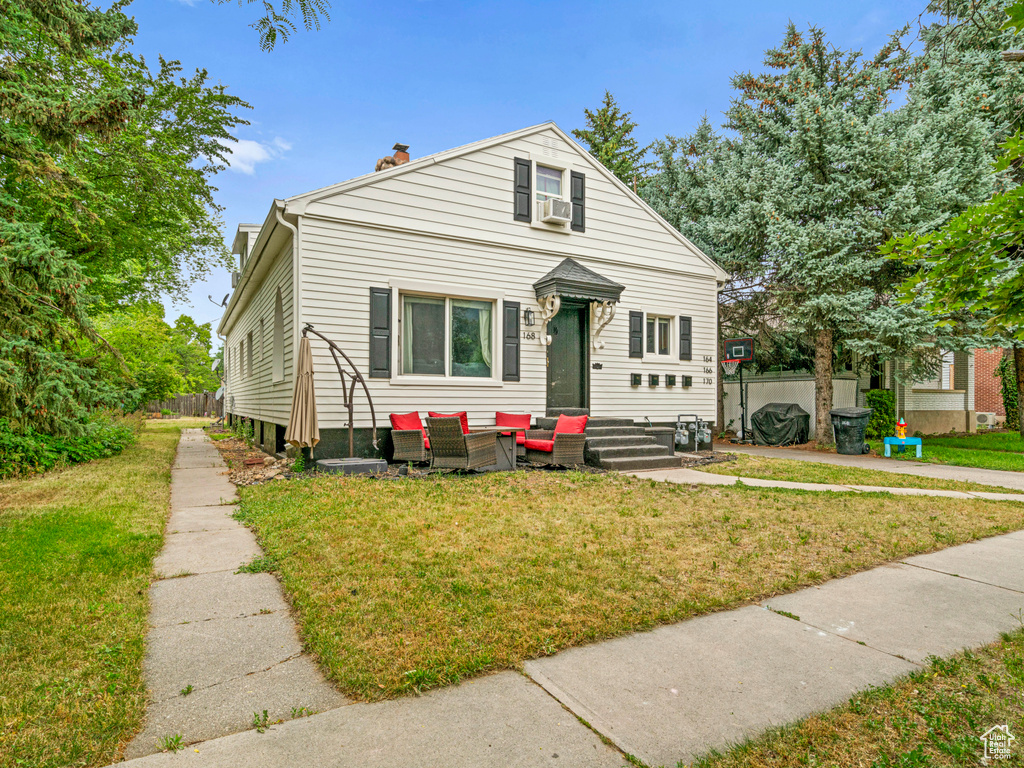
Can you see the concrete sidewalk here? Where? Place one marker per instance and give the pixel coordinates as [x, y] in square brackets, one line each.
[696, 477]
[998, 477]
[229, 636]
[671, 694]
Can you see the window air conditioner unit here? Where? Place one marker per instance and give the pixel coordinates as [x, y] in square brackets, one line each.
[556, 212]
[235, 277]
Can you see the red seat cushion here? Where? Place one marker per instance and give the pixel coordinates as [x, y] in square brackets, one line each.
[540, 445]
[521, 420]
[401, 421]
[570, 425]
[462, 417]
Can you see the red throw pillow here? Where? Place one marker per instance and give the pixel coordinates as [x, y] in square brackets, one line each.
[547, 446]
[521, 420]
[570, 425]
[462, 417]
[402, 421]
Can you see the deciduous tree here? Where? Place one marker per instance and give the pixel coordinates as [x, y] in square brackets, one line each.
[278, 19]
[974, 264]
[160, 361]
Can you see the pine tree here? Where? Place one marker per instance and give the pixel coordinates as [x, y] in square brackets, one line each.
[819, 172]
[607, 137]
[105, 171]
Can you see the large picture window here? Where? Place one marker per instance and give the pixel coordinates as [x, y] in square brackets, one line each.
[447, 337]
[423, 335]
[471, 338]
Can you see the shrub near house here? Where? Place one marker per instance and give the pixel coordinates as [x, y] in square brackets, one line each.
[27, 451]
[882, 403]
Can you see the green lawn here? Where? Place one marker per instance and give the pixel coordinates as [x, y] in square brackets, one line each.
[933, 717]
[76, 554]
[982, 441]
[985, 450]
[402, 585]
[793, 470]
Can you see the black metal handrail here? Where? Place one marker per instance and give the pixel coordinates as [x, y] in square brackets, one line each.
[348, 393]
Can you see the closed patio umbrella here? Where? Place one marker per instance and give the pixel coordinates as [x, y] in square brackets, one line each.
[303, 431]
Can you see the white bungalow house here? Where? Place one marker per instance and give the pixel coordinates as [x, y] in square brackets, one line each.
[513, 274]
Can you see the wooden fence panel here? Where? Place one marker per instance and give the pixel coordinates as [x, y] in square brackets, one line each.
[199, 404]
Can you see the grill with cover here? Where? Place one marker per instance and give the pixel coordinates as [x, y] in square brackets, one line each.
[780, 424]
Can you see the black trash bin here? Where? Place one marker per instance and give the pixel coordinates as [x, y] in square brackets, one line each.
[849, 425]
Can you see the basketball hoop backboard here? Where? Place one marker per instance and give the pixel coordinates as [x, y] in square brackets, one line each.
[738, 349]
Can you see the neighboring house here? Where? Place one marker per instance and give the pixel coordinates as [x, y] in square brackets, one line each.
[939, 405]
[988, 388]
[514, 274]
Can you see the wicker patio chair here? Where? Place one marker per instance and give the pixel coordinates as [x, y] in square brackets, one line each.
[521, 420]
[566, 450]
[451, 449]
[410, 443]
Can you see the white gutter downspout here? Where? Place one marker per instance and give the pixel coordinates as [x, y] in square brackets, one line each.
[296, 282]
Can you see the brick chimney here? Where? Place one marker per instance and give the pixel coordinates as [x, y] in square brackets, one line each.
[401, 157]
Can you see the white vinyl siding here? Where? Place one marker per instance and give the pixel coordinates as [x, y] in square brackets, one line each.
[264, 390]
[341, 262]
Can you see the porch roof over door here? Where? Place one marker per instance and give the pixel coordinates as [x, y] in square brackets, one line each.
[571, 279]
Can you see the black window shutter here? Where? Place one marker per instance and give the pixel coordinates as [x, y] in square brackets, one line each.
[636, 334]
[523, 193]
[510, 342]
[685, 338]
[380, 333]
[578, 189]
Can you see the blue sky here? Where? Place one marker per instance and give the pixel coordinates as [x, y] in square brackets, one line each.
[435, 74]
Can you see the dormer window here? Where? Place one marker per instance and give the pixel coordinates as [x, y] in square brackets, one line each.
[541, 199]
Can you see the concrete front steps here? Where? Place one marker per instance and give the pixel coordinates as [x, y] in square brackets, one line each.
[620, 445]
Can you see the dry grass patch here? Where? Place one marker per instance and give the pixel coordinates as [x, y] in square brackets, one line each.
[930, 718]
[409, 584]
[797, 471]
[76, 553]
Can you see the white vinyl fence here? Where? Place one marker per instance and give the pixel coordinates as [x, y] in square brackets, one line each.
[790, 389]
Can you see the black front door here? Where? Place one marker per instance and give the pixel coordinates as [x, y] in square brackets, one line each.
[567, 358]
